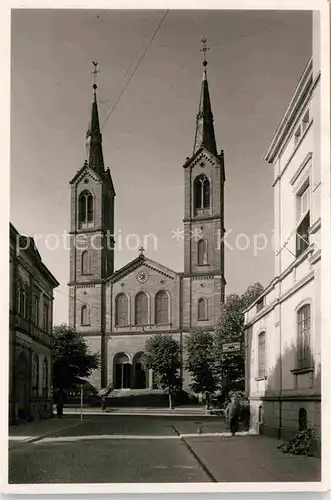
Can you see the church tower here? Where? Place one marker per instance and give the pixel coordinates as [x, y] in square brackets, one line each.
[92, 243]
[203, 279]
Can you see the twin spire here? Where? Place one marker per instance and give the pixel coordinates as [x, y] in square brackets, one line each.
[204, 133]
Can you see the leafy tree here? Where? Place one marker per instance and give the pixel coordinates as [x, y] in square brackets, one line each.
[162, 355]
[200, 362]
[251, 294]
[231, 366]
[72, 360]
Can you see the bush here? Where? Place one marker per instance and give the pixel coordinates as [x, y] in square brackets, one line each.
[300, 444]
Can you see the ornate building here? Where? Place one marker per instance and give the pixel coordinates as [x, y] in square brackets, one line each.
[283, 335]
[31, 338]
[117, 311]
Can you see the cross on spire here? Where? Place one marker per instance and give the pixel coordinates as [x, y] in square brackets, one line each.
[141, 250]
[94, 73]
[204, 49]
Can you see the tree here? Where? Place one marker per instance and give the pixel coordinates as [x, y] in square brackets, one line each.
[162, 355]
[251, 294]
[72, 360]
[231, 366]
[201, 362]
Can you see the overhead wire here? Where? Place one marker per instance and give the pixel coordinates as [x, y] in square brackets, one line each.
[135, 68]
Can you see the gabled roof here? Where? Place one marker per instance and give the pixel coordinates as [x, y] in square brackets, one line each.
[139, 261]
[202, 149]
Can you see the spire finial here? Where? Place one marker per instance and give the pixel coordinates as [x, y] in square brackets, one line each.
[204, 49]
[141, 250]
[94, 73]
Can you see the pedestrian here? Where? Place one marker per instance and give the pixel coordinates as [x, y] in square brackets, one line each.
[60, 402]
[232, 413]
[103, 403]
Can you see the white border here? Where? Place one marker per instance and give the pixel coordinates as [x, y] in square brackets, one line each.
[321, 5]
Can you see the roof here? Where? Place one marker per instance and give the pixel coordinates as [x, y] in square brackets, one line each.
[304, 86]
[33, 253]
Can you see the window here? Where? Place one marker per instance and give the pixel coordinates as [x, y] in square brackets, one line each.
[85, 207]
[161, 308]
[85, 315]
[85, 262]
[202, 253]
[304, 322]
[303, 220]
[262, 354]
[121, 310]
[201, 193]
[46, 316]
[35, 310]
[141, 309]
[202, 309]
[22, 297]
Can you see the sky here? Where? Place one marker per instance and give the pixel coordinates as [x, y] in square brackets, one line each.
[255, 61]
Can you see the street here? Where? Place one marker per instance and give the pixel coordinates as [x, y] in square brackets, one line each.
[122, 449]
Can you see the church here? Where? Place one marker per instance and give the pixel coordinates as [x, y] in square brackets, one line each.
[116, 311]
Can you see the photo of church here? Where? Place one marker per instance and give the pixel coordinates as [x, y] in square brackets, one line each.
[117, 311]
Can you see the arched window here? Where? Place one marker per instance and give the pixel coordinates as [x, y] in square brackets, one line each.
[201, 193]
[262, 354]
[304, 327]
[202, 253]
[85, 207]
[85, 315]
[121, 309]
[161, 308]
[45, 376]
[302, 419]
[85, 262]
[202, 309]
[141, 309]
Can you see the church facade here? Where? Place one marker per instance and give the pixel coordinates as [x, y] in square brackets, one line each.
[117, 311]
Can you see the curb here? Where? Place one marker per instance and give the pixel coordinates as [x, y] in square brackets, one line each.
[140, 413]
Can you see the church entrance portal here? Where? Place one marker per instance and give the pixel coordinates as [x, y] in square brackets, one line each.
[122, 372]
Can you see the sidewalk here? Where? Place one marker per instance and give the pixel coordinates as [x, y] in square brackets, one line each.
[30, 431]
[251, 458]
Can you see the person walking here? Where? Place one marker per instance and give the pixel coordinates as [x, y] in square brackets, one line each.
[103, 403]
[60, 402]
[232, 414]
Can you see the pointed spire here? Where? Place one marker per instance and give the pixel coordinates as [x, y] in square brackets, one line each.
[93, 134]
[204, 134]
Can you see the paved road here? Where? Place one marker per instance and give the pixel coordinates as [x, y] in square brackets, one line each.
[128, 449]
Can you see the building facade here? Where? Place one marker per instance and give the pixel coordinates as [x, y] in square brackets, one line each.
[117, 311]
[283, 335]
[31, 338]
